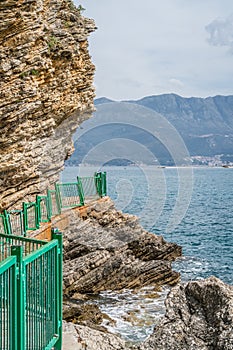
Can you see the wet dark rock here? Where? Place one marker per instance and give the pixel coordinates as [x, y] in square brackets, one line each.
[83, 313]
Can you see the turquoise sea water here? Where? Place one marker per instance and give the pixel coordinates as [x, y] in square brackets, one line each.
[203, 226]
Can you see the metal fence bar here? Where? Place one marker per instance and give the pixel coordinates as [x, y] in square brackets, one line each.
[17, 251]
[80, 191]
[88, 187]
[98, 184]
[30, 215]
[53, 203]
[2, 224]
[65, 195]
[42, 208]
[7, 222]
[56, 235]
[8, 332]
[40, 299]
[44, 297]
[31, 319]
[101, 183]
[68, 194]
[104, 183]
[29, 245]
[16, 222]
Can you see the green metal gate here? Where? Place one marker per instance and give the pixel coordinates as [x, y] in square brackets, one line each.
[30, 293]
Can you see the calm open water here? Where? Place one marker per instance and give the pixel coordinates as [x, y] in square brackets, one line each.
[202, 225]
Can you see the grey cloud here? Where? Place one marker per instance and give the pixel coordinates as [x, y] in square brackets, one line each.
[221, 32]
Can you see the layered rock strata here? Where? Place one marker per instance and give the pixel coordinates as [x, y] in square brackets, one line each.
[106, 249]
[46, 91]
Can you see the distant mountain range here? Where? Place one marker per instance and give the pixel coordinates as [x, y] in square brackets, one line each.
[205, 124]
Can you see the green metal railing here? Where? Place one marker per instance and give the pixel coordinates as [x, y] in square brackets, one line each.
[30, 211]
[7, 241]
[68, 195]
[65, 195]
[3, 228]
[15, 222]
[42, 208]
[89, 187]
[8, 297]
[53, 203]
[31, 269]
[31, 293]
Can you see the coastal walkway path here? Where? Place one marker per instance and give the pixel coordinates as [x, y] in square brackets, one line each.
[31, 267]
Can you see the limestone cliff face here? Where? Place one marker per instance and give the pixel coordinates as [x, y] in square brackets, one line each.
[46, 91]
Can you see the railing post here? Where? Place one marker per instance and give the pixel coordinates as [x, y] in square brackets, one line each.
[38, 208]
[25, 218]
[37, 219]
[58, 196]
[80, 190]
[7, 222]
[50, 209]
[56, 234]
[21, 297]
[104, 183]
[98, 183]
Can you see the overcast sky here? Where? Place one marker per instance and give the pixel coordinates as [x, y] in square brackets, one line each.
[151, 47]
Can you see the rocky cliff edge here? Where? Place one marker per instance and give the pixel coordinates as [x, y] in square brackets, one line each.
[46, 91]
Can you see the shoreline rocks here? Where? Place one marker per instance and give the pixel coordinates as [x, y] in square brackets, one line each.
[109, 250]
[199, 315]
[105, 249]
[78, 337]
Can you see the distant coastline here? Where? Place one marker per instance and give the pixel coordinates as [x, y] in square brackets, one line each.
[152, 166]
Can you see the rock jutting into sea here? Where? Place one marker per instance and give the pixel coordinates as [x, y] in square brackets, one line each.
[105, 249]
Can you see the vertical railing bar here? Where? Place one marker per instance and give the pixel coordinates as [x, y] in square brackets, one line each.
[7, 223]
[46, 324]
[37, 302]
[1, 278]
[42, 298]
[80, 191]
[33, 303]
[58, 195]
[7, 309]
[4, 314]
[30, 282]
[58, 272]
[18, 252]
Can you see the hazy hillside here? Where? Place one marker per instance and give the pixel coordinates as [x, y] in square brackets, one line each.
[206, 126]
